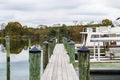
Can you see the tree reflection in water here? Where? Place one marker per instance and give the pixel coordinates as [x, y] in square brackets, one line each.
[16, 46]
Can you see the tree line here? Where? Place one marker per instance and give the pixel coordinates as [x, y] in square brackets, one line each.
[16, 31]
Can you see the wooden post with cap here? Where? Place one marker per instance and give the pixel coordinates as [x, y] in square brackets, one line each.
[67, 48]
[45, 54]
[65, 42]
[50, 47]
[34, 63]
[72, 51]
[84, 63]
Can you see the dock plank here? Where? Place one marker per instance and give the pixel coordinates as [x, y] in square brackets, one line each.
[59, 67]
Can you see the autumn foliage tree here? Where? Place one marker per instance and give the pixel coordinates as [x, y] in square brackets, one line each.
[14, 28]
[75, 33]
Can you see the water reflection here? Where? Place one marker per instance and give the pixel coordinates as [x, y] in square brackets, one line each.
[2, 48]
[17, 46]
[2, 64]
[19, 64]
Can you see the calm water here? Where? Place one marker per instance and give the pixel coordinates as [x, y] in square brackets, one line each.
[20, 64]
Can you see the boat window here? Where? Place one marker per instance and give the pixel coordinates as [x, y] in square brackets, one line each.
[94, 29]
[112, 35]
[105, 35]
[118, 35]
[95, 36]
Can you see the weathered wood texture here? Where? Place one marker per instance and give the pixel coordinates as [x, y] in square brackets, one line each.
[8, 56]
[59, 67]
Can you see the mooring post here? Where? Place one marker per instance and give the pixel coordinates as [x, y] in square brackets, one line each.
[54, 42]
[45, 54]
[72, 51]
[49, 51]
[7, 38]
[68, 40]
[41, 65]
[34, 63]
[50, 47]
[84, 63]
[65, 42]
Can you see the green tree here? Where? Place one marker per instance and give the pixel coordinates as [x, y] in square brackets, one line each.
[106, 22]
[14, 28]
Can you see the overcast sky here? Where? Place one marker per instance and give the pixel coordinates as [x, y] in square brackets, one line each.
[48, 12]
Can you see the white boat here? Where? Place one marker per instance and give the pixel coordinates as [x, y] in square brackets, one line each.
[97, 37]
[101, 34]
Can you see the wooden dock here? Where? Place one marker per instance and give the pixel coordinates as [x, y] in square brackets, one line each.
[59, 67]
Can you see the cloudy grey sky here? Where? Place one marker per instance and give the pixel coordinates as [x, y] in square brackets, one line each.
[35, 12]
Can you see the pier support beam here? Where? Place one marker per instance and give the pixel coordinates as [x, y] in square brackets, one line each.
[45, 54]
[50, 47]
[34, 63]
[67, 48]
[7, 38]
[72, 51]
[84, 63]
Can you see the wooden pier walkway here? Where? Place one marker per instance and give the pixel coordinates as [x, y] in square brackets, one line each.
[59, 67]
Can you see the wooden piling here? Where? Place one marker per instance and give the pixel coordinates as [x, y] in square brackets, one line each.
[7, 38]
[45, 54]
[72, 51]
[67, 47]
[54, 42]
[34, 63]
[84, 63]
[50, 47]
[65, 42]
